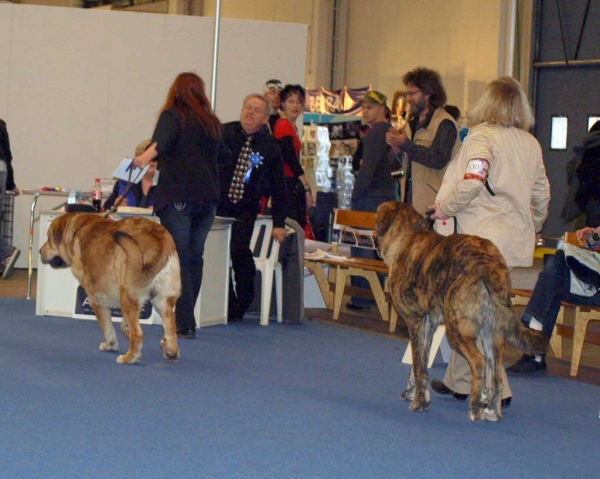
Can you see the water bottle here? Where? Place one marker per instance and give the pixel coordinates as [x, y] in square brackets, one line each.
[97, 195]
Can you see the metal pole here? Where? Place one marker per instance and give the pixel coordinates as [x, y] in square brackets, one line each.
[213, 93]
[30, 250]
[562, 33]
[570, 64]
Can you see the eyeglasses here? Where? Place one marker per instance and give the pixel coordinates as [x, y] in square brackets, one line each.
[411, 93]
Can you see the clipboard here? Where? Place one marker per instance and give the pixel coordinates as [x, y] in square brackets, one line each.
[122, 171]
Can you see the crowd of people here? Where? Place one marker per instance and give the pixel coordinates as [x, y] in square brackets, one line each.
[491, 183]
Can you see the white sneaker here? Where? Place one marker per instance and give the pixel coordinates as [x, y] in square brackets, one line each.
[8, 263]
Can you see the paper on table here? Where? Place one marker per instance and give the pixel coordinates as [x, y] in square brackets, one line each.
[310, 246]
[134, 210]
[320, 254]
[122, 171]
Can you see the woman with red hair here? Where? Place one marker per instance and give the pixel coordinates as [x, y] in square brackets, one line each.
[186, 141]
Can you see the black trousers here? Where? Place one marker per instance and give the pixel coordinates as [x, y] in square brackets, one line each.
[243, 271]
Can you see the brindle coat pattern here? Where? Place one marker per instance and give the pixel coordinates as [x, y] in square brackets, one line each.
[460, 280]
[120, 264]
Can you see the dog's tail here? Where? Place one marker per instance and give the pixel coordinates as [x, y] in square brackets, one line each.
[528, 341]
[142, 264]
[515, 333]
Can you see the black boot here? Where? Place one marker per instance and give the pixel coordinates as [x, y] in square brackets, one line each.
[527, 366]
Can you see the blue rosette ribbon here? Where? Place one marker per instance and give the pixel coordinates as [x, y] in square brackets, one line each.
[255, 160]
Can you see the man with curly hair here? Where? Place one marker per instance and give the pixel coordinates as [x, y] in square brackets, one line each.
[430, 140]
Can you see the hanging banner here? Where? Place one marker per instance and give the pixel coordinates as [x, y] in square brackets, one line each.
[337, 102]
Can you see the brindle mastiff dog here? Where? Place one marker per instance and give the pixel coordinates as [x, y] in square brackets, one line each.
[461, 280]
[120, 264]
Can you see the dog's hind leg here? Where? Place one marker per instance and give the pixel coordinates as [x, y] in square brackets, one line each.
[131, 314]
[420, 339]
[108, 330]
[494, 408]
[168, 343]
[468, 348]
[409, 393]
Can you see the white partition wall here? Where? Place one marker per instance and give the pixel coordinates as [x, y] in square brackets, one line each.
[80, 88]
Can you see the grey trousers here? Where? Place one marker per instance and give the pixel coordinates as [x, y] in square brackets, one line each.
[458, 373]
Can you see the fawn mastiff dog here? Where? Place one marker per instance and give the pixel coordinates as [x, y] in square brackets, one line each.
[463, 281]
[120, 264]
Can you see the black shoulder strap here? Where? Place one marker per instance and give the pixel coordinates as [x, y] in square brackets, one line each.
[489, 188]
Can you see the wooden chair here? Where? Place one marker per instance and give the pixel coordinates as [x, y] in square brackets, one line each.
[583, 316]
[363, 224]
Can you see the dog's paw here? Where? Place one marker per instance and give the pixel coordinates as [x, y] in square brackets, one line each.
[113, 346]
[170, 351]
[408, 395]
[419, 405]
[477, 413]
[491, 415]
[171, 355]
[129, 358]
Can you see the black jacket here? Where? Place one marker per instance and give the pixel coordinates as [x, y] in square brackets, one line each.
[6, 155]
[266, 178]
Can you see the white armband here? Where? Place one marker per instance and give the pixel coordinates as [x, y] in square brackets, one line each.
[477, 169]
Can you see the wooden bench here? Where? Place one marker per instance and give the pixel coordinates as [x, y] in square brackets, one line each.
[333, 287]
[582, 315]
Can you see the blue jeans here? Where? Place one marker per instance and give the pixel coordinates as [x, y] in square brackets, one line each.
[189, 224]
[369, 203]
[552, 287]
[5, 247]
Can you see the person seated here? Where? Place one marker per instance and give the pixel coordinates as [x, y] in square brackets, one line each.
[553, 286]
[141, 194]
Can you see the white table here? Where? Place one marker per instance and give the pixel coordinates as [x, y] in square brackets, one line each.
[57, 288]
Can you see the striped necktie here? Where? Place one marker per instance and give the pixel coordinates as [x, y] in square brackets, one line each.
[236, 189]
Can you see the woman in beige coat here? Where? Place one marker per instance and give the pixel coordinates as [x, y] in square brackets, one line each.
[495, 187]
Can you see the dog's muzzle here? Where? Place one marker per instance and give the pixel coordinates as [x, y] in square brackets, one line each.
[55, 262]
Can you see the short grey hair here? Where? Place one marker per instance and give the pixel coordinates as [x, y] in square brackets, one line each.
[260, 97]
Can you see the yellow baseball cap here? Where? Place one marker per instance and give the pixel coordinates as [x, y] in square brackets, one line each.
[374, 96]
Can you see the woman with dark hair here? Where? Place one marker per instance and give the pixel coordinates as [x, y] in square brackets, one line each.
[286, 133]
[186, 141]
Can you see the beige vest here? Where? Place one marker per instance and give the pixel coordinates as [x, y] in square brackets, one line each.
[422, 176]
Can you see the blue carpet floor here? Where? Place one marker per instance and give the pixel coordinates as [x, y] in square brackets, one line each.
[308, 401]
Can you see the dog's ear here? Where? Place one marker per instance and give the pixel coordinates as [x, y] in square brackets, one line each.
[385, 217]
[411, 217]
[57, 228]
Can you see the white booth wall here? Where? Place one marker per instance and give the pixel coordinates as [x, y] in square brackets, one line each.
[79, 88]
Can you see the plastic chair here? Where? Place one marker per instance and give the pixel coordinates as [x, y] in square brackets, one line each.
[266, 253]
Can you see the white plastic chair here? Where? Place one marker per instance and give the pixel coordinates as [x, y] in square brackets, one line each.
[266, 253]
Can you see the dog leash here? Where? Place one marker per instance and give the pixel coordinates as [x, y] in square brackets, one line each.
[120, 198]
[427, 219]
